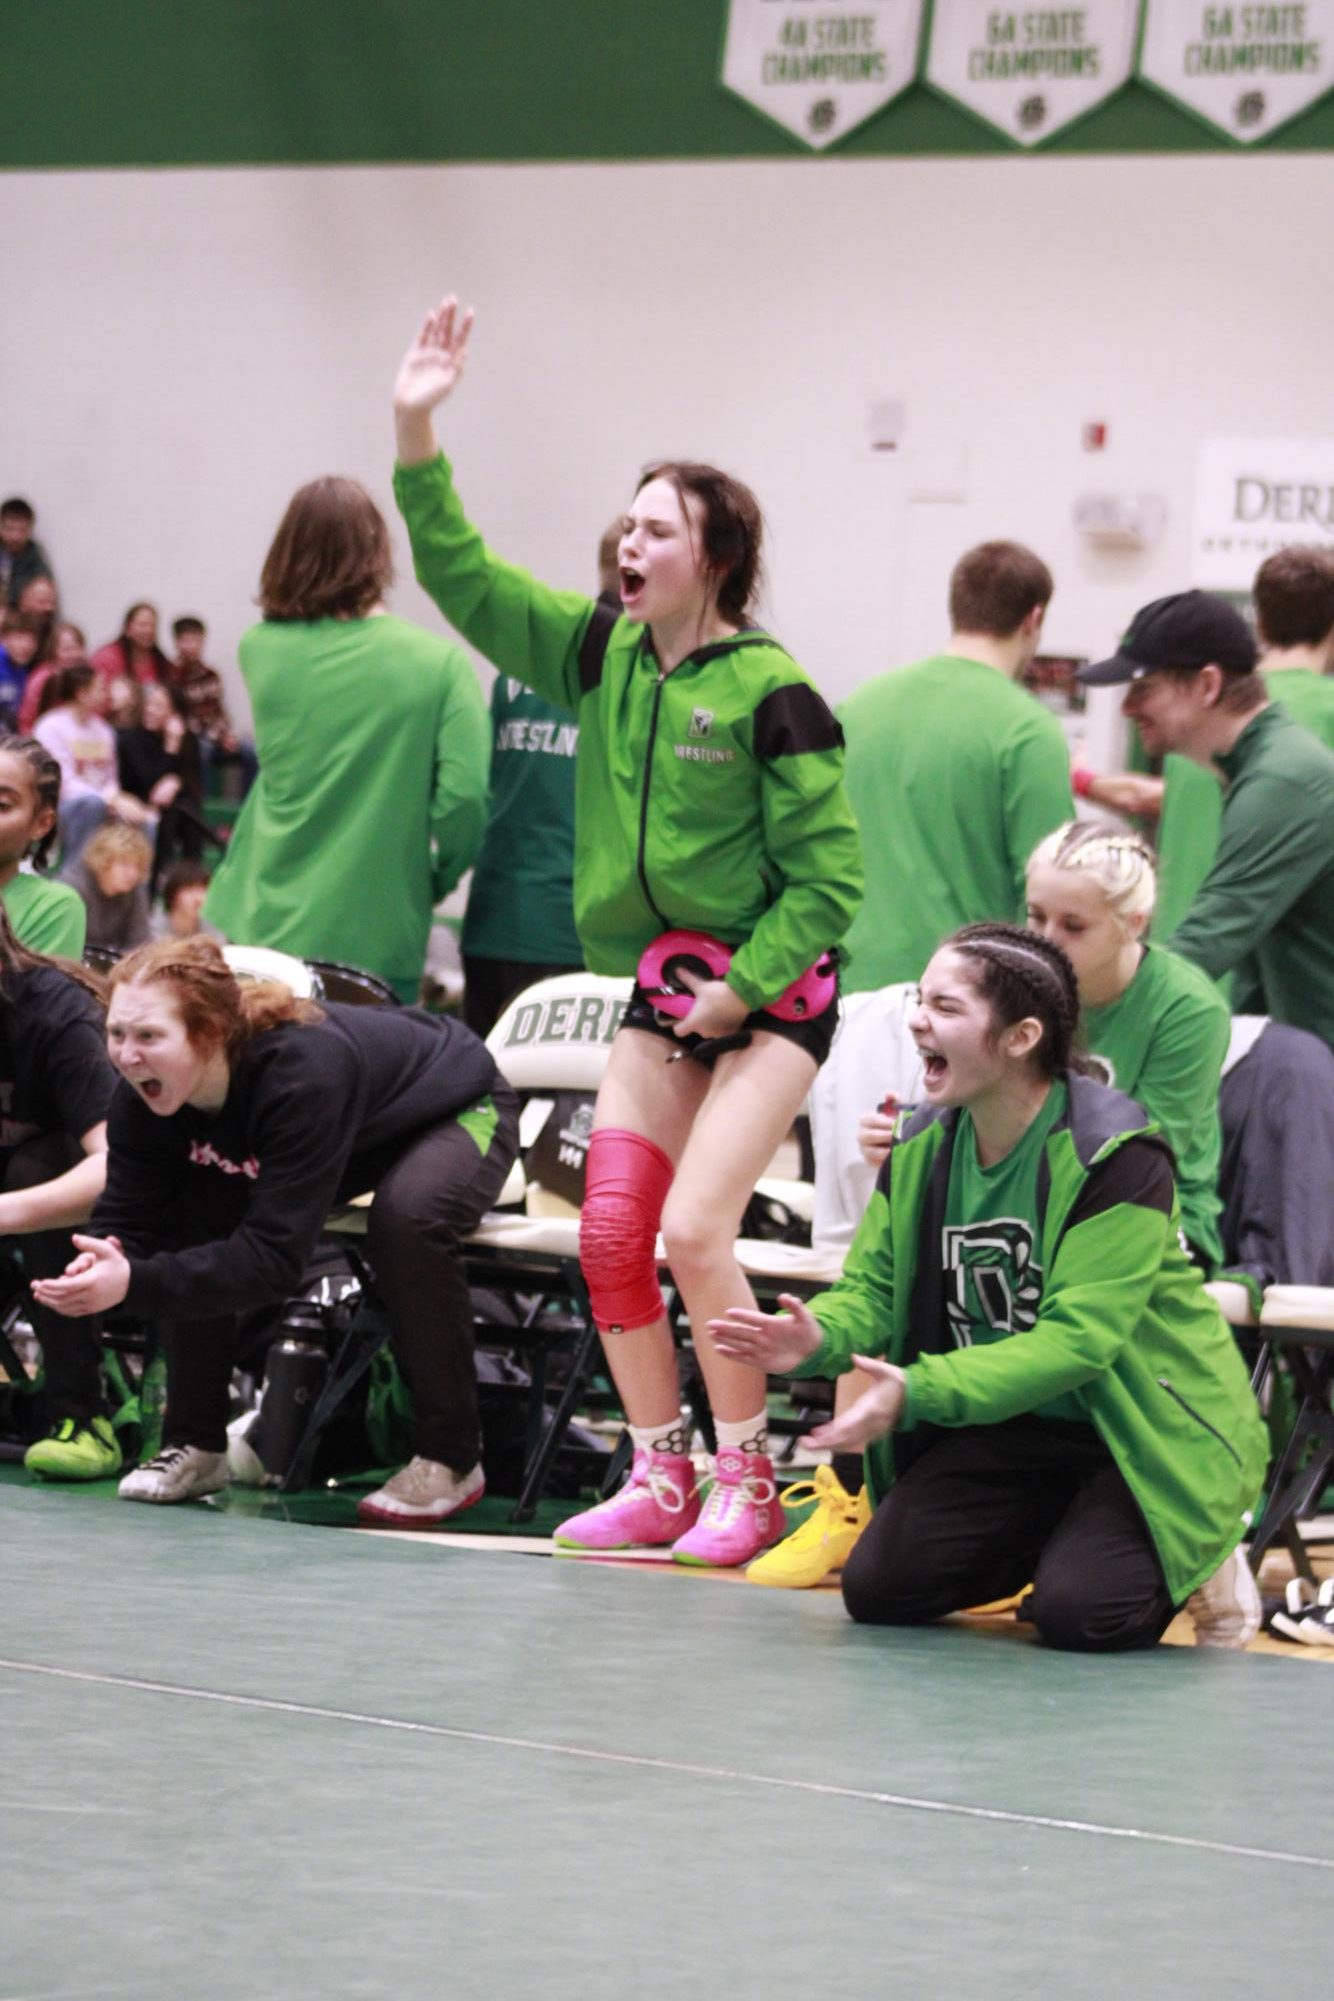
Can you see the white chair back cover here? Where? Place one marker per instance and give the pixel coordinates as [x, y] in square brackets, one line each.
[557, 1034]
[260, 962]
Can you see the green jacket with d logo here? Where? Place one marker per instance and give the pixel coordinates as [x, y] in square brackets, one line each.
[1124, 1324]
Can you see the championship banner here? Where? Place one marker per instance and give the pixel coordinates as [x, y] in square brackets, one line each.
[1031, 70]
[1254, 496]
[820, 68]
[1247, 69]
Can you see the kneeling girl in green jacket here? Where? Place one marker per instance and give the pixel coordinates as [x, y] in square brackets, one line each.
[1060, 1404]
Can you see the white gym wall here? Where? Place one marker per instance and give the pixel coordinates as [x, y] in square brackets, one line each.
[184, 348]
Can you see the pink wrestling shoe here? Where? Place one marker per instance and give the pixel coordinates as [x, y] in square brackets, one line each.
[657, 1501]
[740, 1517]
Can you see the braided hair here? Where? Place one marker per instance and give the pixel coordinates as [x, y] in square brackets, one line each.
[1019, 974]
[1121, 863]
[44, 772]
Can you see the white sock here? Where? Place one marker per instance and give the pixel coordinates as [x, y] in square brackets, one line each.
[669, 1437]
[751, 1435]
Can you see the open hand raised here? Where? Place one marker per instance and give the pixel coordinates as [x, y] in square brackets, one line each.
[431, 368]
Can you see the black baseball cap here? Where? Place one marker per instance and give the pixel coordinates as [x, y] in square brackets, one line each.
[1191, 629]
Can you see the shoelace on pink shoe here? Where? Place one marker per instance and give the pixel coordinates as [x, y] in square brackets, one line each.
[726, 1499]
[660, 1485]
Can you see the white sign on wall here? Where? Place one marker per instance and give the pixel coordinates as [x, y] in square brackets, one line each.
[1031, 70]
[820, 68]
[1256, 495]
[1247, 69]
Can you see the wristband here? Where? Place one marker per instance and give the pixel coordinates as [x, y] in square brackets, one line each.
[1081, 781]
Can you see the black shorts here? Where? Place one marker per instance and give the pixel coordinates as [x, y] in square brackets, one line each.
[814, 1034]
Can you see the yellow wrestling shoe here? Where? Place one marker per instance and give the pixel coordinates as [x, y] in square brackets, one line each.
[825, 1539]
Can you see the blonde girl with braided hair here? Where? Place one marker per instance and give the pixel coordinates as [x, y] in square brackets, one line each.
[1154, 1026]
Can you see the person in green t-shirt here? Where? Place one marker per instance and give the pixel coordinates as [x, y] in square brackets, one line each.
[372, 742]
[47, 917]
[954, 772]
[1061, 1410]
[1155, 1025]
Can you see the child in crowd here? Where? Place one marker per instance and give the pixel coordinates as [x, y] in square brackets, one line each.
[111, 875]
[55, 1090]
[21, 557]
[199, 687]
[134, 653]
[241, 1116]
[83, 743]
[1062, 1406]
[184, 887]
[18, 651]
[709, 780]
[158, 757]
[38, 601]
[68, 649]
[47, 917]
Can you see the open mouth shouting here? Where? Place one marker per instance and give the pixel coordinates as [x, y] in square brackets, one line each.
[632, 587]
[934, 1067]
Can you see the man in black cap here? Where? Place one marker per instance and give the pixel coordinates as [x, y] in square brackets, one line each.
[1189, 662]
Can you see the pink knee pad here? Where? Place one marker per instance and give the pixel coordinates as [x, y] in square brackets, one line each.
[626, 1179]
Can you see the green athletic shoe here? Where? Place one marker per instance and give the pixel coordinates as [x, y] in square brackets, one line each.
[76, 1451]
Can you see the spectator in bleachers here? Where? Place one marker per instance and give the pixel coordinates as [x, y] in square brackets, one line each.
[372, 741]
[111, 875]
[1061, 1410]
[955, 773]
[68, 649]
[21, 557]
[184, 887]
[1189, 666]
[134, 654]
[83, 743]
[47, 916]
[200, 688]
[159, 763]
[39, 601]
[1156, 1027]
[18, 651]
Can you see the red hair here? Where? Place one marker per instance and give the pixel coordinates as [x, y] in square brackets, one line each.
[218, 1010]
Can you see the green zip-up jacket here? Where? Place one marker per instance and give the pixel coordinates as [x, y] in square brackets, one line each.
[710, 798]
[1124, 1324]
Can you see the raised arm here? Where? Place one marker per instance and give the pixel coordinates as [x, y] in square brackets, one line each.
[524, 628]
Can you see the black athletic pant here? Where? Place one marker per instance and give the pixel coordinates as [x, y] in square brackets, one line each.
[489, 985]
[429, 1194]
[990, 1509]
[71, 1349]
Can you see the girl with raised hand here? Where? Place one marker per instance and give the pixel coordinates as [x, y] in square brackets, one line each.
[1154, 1025]
[709, 797]
[241, 1115]
[1059, 1403]
[56, 1087]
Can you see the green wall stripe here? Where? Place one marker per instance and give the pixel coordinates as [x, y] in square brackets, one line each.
[120, 83]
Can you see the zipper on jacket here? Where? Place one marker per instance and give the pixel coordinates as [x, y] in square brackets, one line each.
[643, 801]
[1191, 1411]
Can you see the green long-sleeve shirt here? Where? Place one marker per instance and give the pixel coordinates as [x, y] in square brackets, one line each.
[955, 775]
[1270, 892]
[710, 798]
[371, 797]
[47, 916]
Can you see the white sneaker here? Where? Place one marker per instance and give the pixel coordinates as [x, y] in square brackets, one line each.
[1226, 1607]
[424, 1494]
[179, 1473]
[1307, 1615]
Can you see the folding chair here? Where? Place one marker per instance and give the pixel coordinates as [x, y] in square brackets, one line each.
[1297, 1324]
